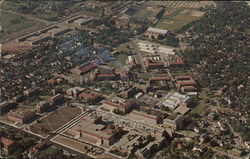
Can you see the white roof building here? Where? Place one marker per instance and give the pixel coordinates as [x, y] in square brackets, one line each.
[157, 30]
[155, 48]
[173, 100]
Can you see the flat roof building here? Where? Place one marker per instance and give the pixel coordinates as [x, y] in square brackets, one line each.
[120, 104]
[174, 99]
[31, 91]
[143, 116]
[7, 145]
[75, 91]
[90, 96]
[174, 124]
[103, 134]
[83, 69]
[6, 106]
[21, 116]
[155, 33]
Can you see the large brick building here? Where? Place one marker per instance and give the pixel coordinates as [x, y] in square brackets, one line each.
[6, 106]
[7, 146]
[21, 116]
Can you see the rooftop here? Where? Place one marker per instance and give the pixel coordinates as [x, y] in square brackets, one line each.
[157, 30]
[173, 99]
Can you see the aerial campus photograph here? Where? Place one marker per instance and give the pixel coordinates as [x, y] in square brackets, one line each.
[84, 79]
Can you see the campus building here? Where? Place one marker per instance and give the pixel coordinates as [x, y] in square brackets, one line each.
[6, 106]
[21, 116]
[155, 33]
[120, 104]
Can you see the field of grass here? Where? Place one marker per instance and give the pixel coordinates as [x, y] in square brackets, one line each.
[123, 47]
[143, 13]
[179, 18]
[47, 151]
[51, 16]
[13, 23]
[120, 62]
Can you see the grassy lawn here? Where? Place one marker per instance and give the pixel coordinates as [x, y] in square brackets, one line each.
[13, 23]
[123, 47]
[143, 13]
[48, 151]
[120, 62]
[202, 104]
[51, 16]
[177, 19]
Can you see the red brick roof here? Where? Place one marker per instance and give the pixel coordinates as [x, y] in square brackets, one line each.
[188, 87]
[89, 95]
[159, 78]
[184, 77]
[87, 68]
[6, 142]
[106, 75]
[186, 83]
[178, 61]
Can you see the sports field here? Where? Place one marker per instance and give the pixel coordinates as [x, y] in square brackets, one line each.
[178, 18]
[12, 23]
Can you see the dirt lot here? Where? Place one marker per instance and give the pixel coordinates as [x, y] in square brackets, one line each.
[55, 120]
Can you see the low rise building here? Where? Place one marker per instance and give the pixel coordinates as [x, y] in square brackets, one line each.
[120, 104]
[145, 88]
[159, 82]
[38, 147]
[75, 91]
[155, 33]
[129, 93]
[31, 91]
[21, 116]
[174, 99]
[54, 81]
[93, 128]
[146, 151]
[174, 124]
[183, 78]
[7, 146]
[145, 117]
[45, 105]
[42, 106]
[6, 106]
[124, 74]
[176, 63]
[131, 62]
[182, 110]
[181, 84]
[156, 49]
[58, 98]
[104, 74]
[90, 96]
[151, 63]
[18, 99]
[83, 69]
